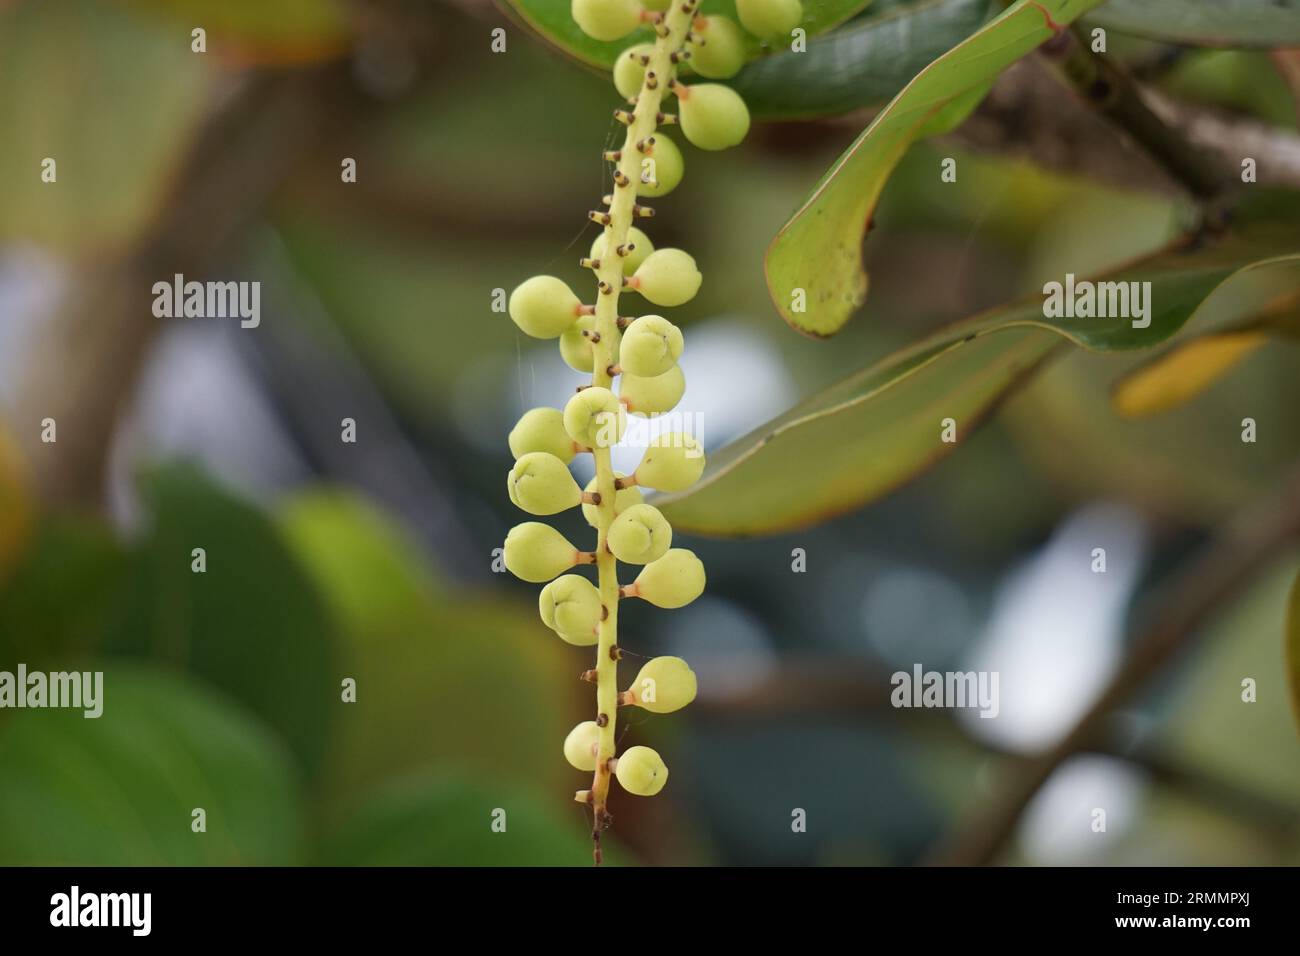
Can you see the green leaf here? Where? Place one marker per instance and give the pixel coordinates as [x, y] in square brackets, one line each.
[819, 251]
[1293, 649]
[552, 19]
[1218, 23]
[285, 31]
[119, 789]
[862, 64]
[870, 433]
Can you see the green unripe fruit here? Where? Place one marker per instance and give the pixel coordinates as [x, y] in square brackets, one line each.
[624, 498]
[661, 168]
[541, 429]
[712, 116]
[594, 418]
[640, 535]
[650, 346]
[664, 684]
[659, 6]
[722, 52]
[652, 396]
[537, 552]
[641, 771]
[575, 348]
[641, 247]
[606, 19]
[629, 71]
[667, 277]
[769, 18]
[541, 484]
[582, 745]
[673, 581]
[544, 307]
[570, 606]
[673, 462]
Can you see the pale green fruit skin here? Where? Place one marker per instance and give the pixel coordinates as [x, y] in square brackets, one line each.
[668, 168]
[641, 771]
[722, 53]
[639, 535]
[673, 462]
[543, 307]
[536, 552]
[594, 418]
[575, 348]
[570, 606]
[624, 498]
[541, 429]
[606, 19]
[769, 18]
[668, 277]
[650, 346]
[641, 247]
[629, 73]
[541, 484]
[652, 396]
[579, 746]
[673, 682]
[674, 581]
[713, 116]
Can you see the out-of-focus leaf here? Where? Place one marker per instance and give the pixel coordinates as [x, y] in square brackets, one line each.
[112, 99]
[1293, 648]
[15, 506]
[870, 433]
[861, 64]
[1225, 23]
[252, 623]
[1182, 372]
[819, 251]
[282, 31]
[119, 789]
[553, 20]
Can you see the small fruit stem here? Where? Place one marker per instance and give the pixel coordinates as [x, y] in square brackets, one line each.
[671, 38]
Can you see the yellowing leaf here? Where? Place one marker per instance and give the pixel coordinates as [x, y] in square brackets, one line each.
[1182, 372]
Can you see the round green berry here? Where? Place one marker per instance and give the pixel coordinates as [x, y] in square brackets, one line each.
[544, 307]
[624, 498]
[667, 277]
[652, 396]
[582, 745]
[661, 168]
[650, 346]
[719, 51]
[640, 243]
[537, 552]
[629, 70]
[673, 462]
[640, 535]
[663, 685]
[570, 606]
[673, 581]
[594, 418]
[641, 771]
[575, 348]
[541, 429]
[541, 484]
[712, 116]
[769, 18]
[606, 19]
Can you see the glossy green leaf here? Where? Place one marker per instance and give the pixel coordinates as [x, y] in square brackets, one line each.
[553, 21]
[861, 64]
[120, 789]
[817, 255]
[283, 31]
[1218, 23]
[872, 432]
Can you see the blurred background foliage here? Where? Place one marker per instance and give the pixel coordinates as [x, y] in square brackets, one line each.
[372, 561]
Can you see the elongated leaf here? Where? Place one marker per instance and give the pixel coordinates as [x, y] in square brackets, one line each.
[862, 64]
[1225, 23]
[1293, 649]
[819, 251]
[552, 19]
[283, 31]
[868, 434]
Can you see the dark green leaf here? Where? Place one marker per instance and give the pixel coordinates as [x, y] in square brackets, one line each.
[1225, 23]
